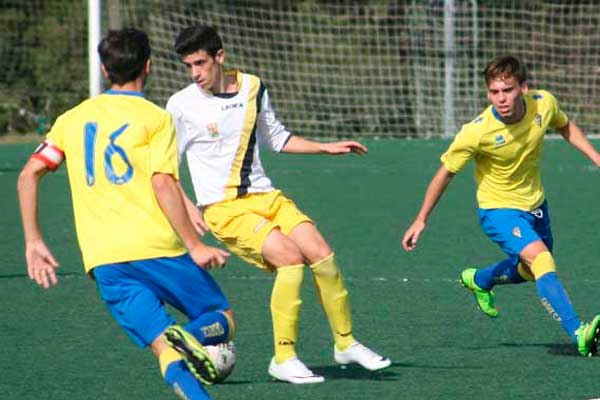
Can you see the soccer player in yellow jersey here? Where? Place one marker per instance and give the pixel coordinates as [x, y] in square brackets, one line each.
[135, 235]
[221, 118]
[505, 141]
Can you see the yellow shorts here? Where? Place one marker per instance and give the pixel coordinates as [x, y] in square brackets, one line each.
[243, 224]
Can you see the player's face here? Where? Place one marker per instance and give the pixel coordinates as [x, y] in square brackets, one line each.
[506, 95]
[204, 69]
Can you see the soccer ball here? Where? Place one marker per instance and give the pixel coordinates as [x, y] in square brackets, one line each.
[223, 356]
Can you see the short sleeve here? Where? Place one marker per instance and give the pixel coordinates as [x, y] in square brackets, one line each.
[461, 150]
[271, 132]
[559, 118]
[163, 147]
[180, 129]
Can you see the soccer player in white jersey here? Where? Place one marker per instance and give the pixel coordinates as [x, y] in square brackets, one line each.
[135, 236]
[505, 141]
[221, 118]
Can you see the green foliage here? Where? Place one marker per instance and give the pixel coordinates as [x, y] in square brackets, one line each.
[43, 62]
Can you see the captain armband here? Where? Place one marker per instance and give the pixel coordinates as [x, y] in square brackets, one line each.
[49, 154]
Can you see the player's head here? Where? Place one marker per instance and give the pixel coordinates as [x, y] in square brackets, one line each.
[506, 77]
[505, 67]
[125, 55]
[201, 50]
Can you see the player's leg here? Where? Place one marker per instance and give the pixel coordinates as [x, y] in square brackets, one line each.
[193, 291]
[511, 270]
[176, 373]
[556, 301]
[245, 227]
[332, 293]
[143, 316]
[283, 255]
[536, 254]
[504, 227]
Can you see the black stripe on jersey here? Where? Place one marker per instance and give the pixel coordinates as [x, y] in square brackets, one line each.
[248, 157]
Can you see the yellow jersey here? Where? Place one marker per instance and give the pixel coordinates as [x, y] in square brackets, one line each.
[113, 144]
[507, 157]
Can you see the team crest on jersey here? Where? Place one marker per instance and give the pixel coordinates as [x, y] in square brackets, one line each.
[213, 129]
[538, 120]
[499, 140]
[517, 232]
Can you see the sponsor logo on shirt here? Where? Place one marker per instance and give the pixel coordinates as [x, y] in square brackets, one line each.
[517, 232]
[538, 120]
[231, 106]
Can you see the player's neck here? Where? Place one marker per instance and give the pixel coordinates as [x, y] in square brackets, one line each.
[131, 86]
[226, 83]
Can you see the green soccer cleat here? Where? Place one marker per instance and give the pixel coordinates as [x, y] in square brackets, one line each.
[486, 300]
[588, 335]
[194, 354]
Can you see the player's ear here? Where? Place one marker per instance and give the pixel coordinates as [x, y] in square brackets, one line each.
[524, 87]
[220, 57]
[104, 72]
[148, 67]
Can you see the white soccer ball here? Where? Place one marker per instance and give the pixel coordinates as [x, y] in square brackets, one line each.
[223, 356]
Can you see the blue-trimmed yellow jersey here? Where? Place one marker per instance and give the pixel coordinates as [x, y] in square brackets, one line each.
[113, 144]
[507, 157]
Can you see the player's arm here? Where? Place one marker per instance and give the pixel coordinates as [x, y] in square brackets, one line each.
[41, 264]
[168, 195]
[433, 194]
[576, 138]
[272, 133]
[297, 144]
[194, 213]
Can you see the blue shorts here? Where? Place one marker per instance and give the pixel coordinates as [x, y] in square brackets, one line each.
[136, 292]
[513, 229]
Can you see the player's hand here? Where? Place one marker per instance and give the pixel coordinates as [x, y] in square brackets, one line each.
[209, 257]
[411, 237]
[197, 218]
[344, 147]
[41, 264]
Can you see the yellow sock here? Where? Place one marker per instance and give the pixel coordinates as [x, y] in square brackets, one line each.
[525, 273]
[285, 310]
[543, 264]
[335, 300]
[167, 357]
[232, 326]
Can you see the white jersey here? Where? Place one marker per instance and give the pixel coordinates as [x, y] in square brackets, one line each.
[219, 136]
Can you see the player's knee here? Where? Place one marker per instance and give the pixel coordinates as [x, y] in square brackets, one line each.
[286, 254]
[542, 264]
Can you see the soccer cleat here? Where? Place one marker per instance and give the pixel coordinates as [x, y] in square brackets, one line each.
[588, 335]
[293, 371]
[362, 355]
[486, 300]
[193, 353]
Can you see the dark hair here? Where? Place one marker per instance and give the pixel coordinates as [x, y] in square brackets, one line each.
[124, 54]
[505, 66]
[198, 37]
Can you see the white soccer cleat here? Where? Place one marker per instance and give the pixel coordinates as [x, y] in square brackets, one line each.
[293, 371]
[362, 355]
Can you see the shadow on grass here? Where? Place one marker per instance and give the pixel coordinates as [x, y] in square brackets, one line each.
[355, 372]
[24, 275]
[556, 349]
